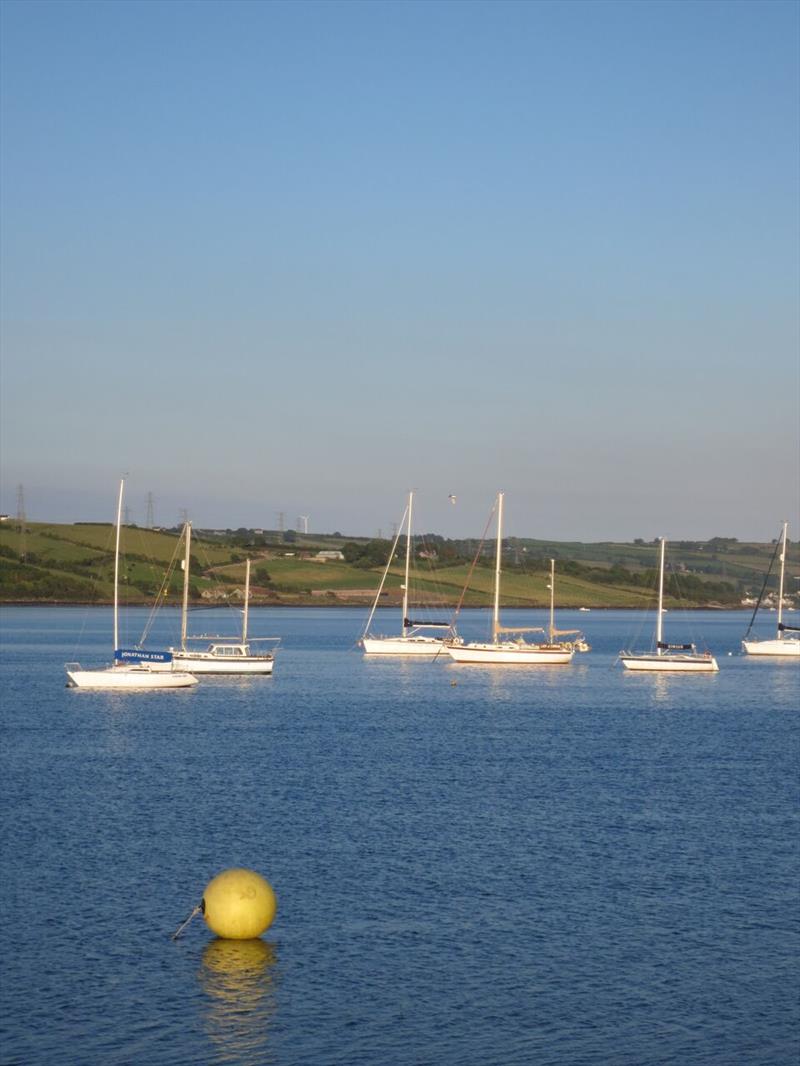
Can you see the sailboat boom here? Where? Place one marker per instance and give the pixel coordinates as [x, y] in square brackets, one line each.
[520, 629]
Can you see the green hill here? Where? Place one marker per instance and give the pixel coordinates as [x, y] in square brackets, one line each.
[54, 563]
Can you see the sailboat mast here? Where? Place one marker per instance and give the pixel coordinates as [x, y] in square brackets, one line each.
[116, 566]
[780, 583]
[497, 561]
[246, 600]
[660, 616]
[386, 569]
[408, 561]
[552, 598]
[185, 606]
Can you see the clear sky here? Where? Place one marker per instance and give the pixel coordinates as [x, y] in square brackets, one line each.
[302, 257]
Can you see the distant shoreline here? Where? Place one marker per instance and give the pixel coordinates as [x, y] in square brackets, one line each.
[60, 565]
[360, 606]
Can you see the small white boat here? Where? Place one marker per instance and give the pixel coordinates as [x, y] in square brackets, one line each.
[132, 668]
[415, 637]
[222, 656]
[676, 658]
[505, 651]
[781, 645]
[124, 676]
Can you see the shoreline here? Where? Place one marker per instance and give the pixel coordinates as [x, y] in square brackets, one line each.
[361, 606]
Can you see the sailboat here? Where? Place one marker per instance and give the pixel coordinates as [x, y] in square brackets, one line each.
[674, 657]
[781, 645]
[504, 651]
[133, 668]
[413, 638]
[223, 655]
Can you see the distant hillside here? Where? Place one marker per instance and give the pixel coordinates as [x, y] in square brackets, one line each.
[74, 563]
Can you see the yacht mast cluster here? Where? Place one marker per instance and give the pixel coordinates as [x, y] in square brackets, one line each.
[502, 650]
[132, 668]
[413, 640]
[223, 655]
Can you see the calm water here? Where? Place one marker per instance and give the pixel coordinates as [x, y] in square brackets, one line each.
[473, 865]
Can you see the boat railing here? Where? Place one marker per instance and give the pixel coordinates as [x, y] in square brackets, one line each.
[231, 639]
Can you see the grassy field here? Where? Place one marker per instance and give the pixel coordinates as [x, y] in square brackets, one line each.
[60, 542]
[747, 561]
[444, 587]
[81, 559]
[68, 563]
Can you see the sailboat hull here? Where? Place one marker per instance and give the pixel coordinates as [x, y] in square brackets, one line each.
[416, 646]
[786, 649]
[686, 664]
[129, 678]
[508, 654]
[207, 663]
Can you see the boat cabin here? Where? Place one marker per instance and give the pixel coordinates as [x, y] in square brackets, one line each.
[228, 650]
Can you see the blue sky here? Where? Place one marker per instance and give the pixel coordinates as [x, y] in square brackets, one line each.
[303, 257]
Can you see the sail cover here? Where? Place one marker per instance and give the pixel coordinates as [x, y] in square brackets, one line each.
[675, 647]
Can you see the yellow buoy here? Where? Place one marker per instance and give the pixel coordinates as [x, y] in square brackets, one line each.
[238, 904]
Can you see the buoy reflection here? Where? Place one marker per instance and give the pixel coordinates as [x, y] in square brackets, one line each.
[238, 979]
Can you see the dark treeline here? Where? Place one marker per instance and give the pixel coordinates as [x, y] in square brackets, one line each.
[28, 582]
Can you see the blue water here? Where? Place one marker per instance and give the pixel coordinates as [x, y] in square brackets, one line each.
[473, 865]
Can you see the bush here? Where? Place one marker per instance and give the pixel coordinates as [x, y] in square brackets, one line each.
[367, 556]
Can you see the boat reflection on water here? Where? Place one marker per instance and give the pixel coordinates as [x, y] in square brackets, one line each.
[238, 978]
[665, 689]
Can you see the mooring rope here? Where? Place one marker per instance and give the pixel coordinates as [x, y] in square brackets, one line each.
[197, 910]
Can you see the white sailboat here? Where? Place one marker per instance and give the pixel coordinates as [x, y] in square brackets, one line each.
[781, 645]
[414, 638]
[673, 657]
[504, 651]
[223, 655]
[133, 668]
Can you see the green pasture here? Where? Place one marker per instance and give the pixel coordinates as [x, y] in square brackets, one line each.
[78, 543]
[520, 589]
[296, 575]
[22, 582]
[67, 555]
[444, 587]
[745, 558]
[48, 549]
